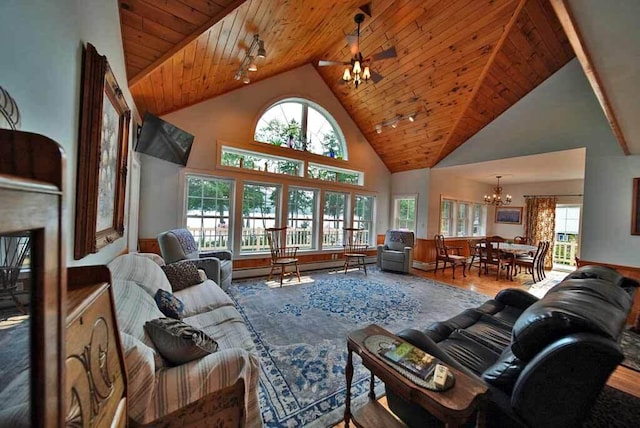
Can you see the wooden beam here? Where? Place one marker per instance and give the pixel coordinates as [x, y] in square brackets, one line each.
[179, 46]
[480, 80]
[577, 42]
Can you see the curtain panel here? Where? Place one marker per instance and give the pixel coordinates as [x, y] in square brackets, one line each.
[541, 223]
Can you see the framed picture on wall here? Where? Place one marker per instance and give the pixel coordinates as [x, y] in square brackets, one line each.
[509, 215]
[635, 208]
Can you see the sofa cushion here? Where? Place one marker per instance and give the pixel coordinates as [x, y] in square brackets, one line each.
[394, 256]
[491, 332]
[139, 360]
[468, 352]
[504, 373]
[226, 326]
[179, 342]
[169, 304]
[142, 270]
[577, 305]
[202, 297]
[181, 274]
[599, 272]
[398, 239]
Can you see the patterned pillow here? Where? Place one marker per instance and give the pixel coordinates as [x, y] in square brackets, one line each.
[182, 275]
[179, 342]
[169, 304]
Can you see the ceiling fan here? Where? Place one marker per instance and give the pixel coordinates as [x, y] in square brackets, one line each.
[358, 69]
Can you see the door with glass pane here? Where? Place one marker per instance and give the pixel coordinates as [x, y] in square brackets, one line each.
[567, 239]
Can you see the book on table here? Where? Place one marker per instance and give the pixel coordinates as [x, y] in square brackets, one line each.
[411, 358]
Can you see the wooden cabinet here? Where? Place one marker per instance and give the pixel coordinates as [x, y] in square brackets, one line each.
[96, 383]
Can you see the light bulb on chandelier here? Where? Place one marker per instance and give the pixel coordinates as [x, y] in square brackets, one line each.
[496, 198]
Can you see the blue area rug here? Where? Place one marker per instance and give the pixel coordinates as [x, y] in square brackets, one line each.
[301, 330]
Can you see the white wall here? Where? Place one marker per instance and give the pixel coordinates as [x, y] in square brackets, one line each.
[232, 117]
[562, 113]
[414, 182]
[41, 46]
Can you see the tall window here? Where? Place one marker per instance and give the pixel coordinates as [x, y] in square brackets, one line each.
[404, 212]
[302, 125]
[446, 217]
[208, 211]
[363, 216]
[460, 218]
[258, 213]
[301, 218]
[333, 218]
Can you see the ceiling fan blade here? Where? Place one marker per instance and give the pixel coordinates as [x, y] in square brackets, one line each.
[388, 53]
[324, 63]
[352, 39]
[376, 77]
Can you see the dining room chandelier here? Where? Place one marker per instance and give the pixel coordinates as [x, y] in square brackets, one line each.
[496, 198]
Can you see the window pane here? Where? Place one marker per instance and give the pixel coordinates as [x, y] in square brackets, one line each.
[259, 162]
[446, 221]
[404, 216]
[321, 137]
[461, 228]
[363, 217]
[326, 173]
[208, 212]
[280, 125]
[258, 213]
[300, 221]
[333, 219]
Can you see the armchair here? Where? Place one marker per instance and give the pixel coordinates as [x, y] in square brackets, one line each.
[178, 244]
[396, 254]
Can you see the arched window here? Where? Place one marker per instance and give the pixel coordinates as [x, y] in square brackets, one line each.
[303, 125]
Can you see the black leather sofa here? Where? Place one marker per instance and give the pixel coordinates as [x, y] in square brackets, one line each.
[544, 360]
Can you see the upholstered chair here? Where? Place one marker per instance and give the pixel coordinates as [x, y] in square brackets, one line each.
[396, 254]
[178, 244]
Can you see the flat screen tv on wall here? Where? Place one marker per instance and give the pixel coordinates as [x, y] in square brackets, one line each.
[163, 140]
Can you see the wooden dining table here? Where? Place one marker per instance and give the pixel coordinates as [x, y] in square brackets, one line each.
[512, 250]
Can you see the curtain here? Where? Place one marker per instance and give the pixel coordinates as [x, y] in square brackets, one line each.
[541, 223]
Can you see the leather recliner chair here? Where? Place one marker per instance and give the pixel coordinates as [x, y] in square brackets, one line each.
[545, 360]
[178, 244]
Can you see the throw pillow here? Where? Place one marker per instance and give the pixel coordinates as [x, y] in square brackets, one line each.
[179, 342]
[182, 275]
[169, 304]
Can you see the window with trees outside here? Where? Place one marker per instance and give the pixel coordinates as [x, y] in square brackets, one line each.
[259, 204]
[260, 162]
[334, 211]
[363, 216]
[461, 218]
[208, 211]
[300, 124]
[404, 212]
[301, 221]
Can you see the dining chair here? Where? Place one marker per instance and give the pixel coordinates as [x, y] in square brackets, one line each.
[355, 249]
[522, 240]
[540, 262]
[474, 251]
[490, 254]
[282, 255]
[444, 253]
[531, 263]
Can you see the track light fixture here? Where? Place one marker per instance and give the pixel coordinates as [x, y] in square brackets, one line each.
[395, 121]
[249, 62]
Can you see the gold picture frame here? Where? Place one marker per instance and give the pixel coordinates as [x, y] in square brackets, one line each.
[102, 157]
[509, 215]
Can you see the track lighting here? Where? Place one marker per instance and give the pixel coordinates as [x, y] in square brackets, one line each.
[394, 122]
[249, 63]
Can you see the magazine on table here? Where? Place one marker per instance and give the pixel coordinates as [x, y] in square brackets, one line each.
[411, 358]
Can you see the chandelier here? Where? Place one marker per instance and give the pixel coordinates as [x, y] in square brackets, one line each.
[496, 198]
[249, 62]
[358, 70]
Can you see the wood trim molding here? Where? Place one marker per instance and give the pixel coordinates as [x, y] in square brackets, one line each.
[191, 37]
[563, 11]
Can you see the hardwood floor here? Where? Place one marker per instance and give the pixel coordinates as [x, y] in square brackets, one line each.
[624, 379]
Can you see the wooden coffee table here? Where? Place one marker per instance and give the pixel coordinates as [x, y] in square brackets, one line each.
[453, 406]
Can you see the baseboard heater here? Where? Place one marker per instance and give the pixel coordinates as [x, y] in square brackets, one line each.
[425, 266]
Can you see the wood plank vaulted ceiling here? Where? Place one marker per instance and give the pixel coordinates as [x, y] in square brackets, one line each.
[460, 63]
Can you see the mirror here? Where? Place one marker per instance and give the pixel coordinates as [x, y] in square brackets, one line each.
[16, 285]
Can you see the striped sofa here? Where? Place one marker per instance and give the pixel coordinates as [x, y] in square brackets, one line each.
[219, 389]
